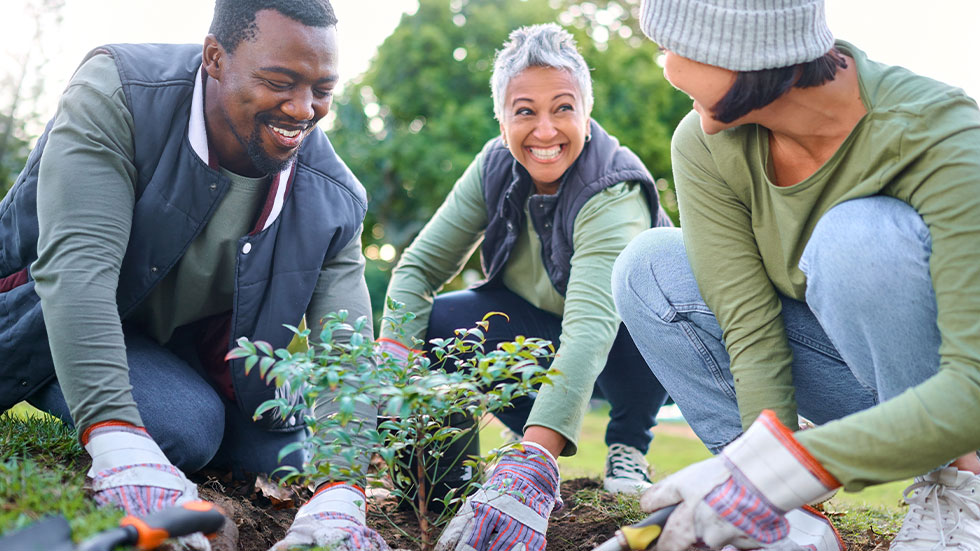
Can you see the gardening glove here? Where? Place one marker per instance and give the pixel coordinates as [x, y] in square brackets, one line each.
[396, 350]
[129, 470]
[742, 496]
[333, 518]
[511, 510]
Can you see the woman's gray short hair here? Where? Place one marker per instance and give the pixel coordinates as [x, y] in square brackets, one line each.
[546, 45]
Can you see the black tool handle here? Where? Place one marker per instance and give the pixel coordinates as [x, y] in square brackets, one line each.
[658, 517]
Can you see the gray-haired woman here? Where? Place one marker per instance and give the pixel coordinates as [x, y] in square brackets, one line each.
[554, 200]
[831, 222]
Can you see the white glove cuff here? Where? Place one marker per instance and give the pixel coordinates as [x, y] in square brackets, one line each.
[145, 476]
[118, 448]
[771, 460]
[339, 498]
[543, 450]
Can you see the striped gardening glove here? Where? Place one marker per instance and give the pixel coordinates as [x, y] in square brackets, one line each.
[129, 470]
[334, 518]
[511, 510]
[749, 496]
[395, 350]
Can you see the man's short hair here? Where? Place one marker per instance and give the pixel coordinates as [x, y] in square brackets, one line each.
[234, 20]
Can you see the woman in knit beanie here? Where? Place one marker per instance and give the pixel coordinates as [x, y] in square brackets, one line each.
[828, 266]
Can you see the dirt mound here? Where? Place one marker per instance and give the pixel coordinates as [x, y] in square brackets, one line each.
[262, 514]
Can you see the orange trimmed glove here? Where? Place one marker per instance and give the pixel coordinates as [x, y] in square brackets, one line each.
[748, 496]
[333, 518]
[129, 470]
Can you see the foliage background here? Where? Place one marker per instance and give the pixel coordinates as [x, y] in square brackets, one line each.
[413, 122]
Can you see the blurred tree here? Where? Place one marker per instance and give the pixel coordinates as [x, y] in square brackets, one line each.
[21, 85]
[414, 121]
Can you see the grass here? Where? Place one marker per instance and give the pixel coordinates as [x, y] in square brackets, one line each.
[40, 475]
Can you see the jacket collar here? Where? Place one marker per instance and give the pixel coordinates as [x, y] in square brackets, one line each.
[197, 134]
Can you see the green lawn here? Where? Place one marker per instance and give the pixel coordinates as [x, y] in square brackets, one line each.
[37, 478]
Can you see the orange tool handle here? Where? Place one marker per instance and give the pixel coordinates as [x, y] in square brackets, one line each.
[189, 517]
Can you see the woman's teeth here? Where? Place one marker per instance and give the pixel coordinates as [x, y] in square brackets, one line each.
[546, 154]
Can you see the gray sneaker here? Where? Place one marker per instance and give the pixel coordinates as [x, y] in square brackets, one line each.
[944, 513]
[627, 471]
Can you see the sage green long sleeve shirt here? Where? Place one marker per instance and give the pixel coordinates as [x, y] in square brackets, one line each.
[602, 229]
[86, 194]
[919, 142]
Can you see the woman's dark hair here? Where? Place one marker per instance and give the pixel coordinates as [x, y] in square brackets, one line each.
[234, 20]
[756, 89]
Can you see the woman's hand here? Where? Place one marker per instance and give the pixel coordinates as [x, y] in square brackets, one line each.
[511, 510]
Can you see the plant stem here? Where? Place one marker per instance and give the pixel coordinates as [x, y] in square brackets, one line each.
[423, 511]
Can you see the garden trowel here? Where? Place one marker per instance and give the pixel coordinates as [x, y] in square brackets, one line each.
[54, 533]
[639, 536]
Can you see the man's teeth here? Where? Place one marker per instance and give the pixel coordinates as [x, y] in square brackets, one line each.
[549, 153]
[284, 132]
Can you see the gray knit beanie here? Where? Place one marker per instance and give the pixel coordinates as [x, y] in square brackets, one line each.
[739, 35]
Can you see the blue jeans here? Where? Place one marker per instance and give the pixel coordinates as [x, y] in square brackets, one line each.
[866, 332]
[193, 424]
[626, 382]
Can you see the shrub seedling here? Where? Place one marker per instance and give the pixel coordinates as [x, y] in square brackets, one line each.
[420, 403]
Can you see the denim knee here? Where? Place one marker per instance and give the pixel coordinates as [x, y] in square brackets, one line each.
[863, 252]
[652, 273]
[192, 441]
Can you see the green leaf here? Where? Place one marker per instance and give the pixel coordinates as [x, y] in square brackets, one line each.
[264, 347]
[250, 362]
[265, 364]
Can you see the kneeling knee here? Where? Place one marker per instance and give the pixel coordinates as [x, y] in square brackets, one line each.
[863, 247]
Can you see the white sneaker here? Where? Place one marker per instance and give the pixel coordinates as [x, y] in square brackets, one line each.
[627, 471]
[809, 530]
[944, 513]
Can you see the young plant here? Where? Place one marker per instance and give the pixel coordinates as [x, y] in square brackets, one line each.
[420, 403]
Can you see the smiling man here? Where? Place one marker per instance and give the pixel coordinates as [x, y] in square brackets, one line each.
[181, 198]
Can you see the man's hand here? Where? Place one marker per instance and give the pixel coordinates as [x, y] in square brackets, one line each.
[742, 496]
[511, 510]
[335, 518]
[129, 470]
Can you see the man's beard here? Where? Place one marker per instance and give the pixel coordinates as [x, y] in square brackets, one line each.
[260, 159]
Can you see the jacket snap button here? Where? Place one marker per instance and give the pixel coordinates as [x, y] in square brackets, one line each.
[247, 248]
[153, 268]
[214, 186]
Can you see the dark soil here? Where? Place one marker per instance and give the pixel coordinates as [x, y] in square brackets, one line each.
[262, 519]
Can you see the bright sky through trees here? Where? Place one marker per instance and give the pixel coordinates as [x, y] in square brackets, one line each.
[937, 38]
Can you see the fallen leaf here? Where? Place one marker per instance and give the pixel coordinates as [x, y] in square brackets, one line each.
[280, 497]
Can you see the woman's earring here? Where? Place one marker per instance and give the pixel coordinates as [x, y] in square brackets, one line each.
[588, 138]
[504, 140]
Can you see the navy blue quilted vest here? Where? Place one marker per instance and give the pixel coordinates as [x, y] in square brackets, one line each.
[176, 193]
[507, 185]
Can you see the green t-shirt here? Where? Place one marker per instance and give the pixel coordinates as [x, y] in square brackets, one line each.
[85, 199]
[602, 229]
[919, 142]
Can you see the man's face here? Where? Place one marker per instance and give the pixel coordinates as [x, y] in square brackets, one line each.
[267, 96]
